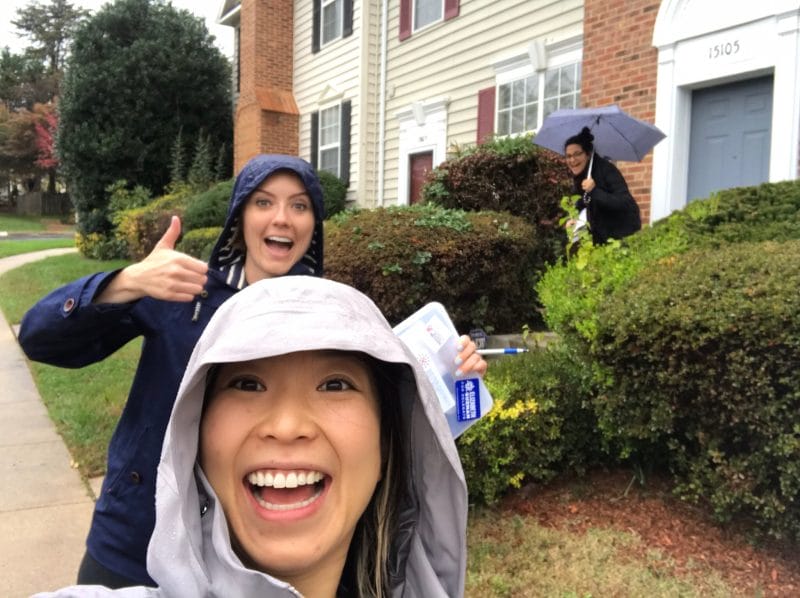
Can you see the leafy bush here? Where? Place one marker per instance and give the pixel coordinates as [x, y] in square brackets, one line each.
[97, 246]
[334, 192]
[704, 350]
[572, 292]
[208, 208]
[199, 242]
[478, 265]
[141, 228]
[505, 174]
[541, 424]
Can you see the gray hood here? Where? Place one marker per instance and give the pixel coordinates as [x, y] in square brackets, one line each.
[191, 555]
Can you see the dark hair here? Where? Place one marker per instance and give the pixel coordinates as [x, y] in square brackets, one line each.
[584, 139]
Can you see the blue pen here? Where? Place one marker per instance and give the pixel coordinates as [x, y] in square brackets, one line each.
[503, 351]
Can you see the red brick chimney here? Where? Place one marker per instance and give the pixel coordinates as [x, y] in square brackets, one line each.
[267, 119]
[620, 67]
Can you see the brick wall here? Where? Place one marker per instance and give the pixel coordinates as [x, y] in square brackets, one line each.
[267, 119]
[620, 67]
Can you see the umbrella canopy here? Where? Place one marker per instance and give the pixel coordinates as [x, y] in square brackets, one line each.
[617, 135]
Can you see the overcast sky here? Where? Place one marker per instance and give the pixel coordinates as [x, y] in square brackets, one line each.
[206, 9]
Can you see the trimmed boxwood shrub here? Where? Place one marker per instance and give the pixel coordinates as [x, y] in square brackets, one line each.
[571, 291]
[208, 208]
[334, 193]
[541, 424]
[480, 266]
[199, 242]
[704, 353]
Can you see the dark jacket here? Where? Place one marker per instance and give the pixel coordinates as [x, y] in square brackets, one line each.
[610, 208]
[66, 329]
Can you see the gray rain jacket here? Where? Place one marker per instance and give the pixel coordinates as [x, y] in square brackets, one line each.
[190, 554]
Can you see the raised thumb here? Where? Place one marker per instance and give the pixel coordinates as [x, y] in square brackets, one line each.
[170, 237]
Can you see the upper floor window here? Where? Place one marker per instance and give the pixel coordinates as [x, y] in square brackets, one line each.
[522, 104]
[331, 20]
[427, 12]
[418, 14]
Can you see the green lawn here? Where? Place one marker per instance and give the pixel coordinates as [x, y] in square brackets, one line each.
[84, 404]
[29, 224]
[14, 223]
[9, 248]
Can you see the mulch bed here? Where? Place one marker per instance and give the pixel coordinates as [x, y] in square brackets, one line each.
[682, 532]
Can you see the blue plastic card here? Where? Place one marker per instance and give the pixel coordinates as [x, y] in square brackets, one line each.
[468, 399]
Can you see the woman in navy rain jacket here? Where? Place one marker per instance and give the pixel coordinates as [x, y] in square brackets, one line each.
[168, 298]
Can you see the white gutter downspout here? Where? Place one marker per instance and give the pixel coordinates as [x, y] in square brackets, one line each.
[382, 103]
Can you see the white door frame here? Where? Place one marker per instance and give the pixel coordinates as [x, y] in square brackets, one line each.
[700, 45]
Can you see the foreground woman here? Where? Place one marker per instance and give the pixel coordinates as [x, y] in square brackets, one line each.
[307, 455]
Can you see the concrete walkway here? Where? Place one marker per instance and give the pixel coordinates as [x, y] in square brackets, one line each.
[45, 507]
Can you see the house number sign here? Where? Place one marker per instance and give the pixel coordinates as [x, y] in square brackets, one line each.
[723, 49]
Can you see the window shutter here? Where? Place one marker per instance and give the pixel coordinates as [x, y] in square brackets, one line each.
[347, 18]
[315, 28]
[451, 9]
[405, 19]
[314, 139]
[344, 144]
[485, 113]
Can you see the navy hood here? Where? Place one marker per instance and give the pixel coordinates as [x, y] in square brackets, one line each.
[229, 260]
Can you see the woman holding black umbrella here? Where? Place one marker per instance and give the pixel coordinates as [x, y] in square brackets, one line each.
[606, 204]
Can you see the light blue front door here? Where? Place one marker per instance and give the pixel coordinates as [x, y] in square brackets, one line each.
[730, 136]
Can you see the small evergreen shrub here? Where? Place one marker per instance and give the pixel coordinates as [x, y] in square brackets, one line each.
[541, 424]
[334, 192]
[199, 242]
[480, 266]
[141, 228]
[703, 349]
[208, 208]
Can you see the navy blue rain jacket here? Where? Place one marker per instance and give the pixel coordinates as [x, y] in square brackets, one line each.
[66, 329]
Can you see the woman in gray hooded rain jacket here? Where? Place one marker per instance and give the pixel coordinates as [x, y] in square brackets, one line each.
[214, 525]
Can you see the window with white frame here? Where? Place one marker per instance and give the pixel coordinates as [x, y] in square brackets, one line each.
[331, 21]
[427, 12]
[526, 96]
[330, 139]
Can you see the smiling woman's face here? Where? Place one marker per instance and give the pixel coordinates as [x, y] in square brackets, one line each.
[278, 224]
[576, 158]
[291, 445]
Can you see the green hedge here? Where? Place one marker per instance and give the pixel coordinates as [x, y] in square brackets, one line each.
[199, 242]
[541, 424]
[704, 352]
[480, 266]
[209, 208]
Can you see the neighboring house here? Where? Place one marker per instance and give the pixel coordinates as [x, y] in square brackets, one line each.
[377, 91]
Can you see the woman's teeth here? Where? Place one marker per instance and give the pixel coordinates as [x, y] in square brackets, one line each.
[292, 479]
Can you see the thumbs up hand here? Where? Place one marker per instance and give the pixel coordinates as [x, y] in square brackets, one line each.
[164, 274]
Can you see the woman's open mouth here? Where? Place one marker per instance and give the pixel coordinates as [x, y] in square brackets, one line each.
[285, 490]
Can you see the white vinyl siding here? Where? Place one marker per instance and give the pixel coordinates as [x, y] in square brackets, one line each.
[453, 59]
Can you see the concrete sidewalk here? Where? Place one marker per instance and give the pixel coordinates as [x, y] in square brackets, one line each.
[45, 507]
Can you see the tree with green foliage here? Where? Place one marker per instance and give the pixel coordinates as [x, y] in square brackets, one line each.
[200, 173]
[140, 71]
[50, 28]
[177, 166]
